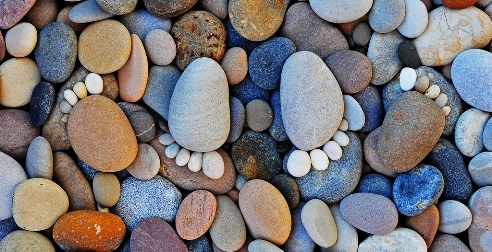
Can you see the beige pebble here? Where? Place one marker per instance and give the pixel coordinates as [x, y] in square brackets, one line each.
[183, 157]
[343, 125]
[195, 162]
[172, 150]
[21, 39]
[80, 90]
[433, 91]
[106, 188]
[65, 107]
[166, 139]
[446, 110]
[341, 138]
[319, 159]
[235, 65]
[70, 97]
[333, 150]
[160, 47]
[147, 163]
[213, 165]
[103, 209]
[94, 83]
[441, 100]
[18, 77]
[422, 84]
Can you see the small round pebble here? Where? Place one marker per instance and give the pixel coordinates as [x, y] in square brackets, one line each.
[160, 47]
[65, 107]
[195, 162]
[21, 39]
[235, 65]
[80, 90]
[333, 150]
[433, 91]
[319, 223]
[299, 163]
[362, 34]
[70, 97]
[106, 187]
[183, 157]
[441, 100]
[166, 139]
[319, 159]
[341, 138]
[422, 84]
[213, 165]
[408, 76]
[446, 110]
[454, 217]
[172, 150]
[147, 163]
[259, 115]
[195, 214]
[94, 83]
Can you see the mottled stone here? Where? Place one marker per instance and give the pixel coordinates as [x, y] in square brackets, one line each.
[42, 100]
[168, 9]
[144, 236]
[195, 214]
[425, 223]
[12, 11]
[383, 55]
[16, 132]
[118, 7]
[107, 189]
[376, 183]
[22, 240]
[479, 231]
[288, 188]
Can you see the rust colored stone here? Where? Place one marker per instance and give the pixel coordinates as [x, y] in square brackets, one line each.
[458, 4]
[425, 224]
[196, 214]
[133, 76]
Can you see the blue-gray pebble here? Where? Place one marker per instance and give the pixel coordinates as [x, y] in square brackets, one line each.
[42, 100]
[299, 240]
[277, 130]
[160, 87]
[247, 91]
[391, 92]
[200, 244]
[238, 118]
[56, 52]
[234, 39]
[89, 171]
[417, 189]
[88, 11]
[372, 105]
[487, 135]
[141, 22]
[7, 226]
[376, 183]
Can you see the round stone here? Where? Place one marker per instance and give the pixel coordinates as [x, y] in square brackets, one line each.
[167, 9]
[319, 223]
[42, 102]
[166, 139]
[18, 76]
[433, 91]
[13, 174]
[341, 138]
[259, 115]
[106, 187]
[235, 65]
[160, 47]
[117, 7]
[408, 76]
[172, 150]
[94, 83]
[70, 97]
[385, 15]
[362, 34]
[21, 39]
[144, 236]
[65, 107]
[195, 214]
[147, 163]
[333, 150]
[469, 131]
[338, 11]
[441, 100]
[213, 165]
[352, 70]
[183, 157]
[299, 163]
[228, 230]
[21, 240]
[319, 159]
[454, 217]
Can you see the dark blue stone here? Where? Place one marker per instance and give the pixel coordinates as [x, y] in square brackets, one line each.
[200, 244]
[247, 91]
[141, 22]
[234, 39]
[266, 62]
[277, 129]
[42, 101]
[7, 226]
[299, 239]
[446, 157]
[376, 183]
[391, 91]
[372, 105]
[417, 189]
[160, 87]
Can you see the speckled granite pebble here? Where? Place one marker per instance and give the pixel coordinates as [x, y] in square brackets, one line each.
[144, 236]
[42, 101]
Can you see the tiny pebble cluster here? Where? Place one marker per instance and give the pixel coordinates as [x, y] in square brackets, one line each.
[93, 85]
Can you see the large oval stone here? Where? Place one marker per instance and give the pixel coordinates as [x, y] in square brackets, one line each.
[410, 130]
[199, 114]
[101, 134]
[12, 174]
[228, 231]
[311, 100]
[12, 11]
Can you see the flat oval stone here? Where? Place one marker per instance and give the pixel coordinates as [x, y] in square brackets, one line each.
[89, 230]
[299, 239]
[469, 130]
[407, 53]
[141, 22]
[199, 113]
[22, 240]
[235, 65]
[479, 232]
[337, 12]
[104, 46]
[259, 115]
[12, 11]
[117, 7]
[320, 87]
[87, 12]
[144, 236]
[16, 132]
[480, 169]
[56, 52]
[319, 223]
[404, 148]
[198, 34]
[195, 214]
[461, 4]
[353, 113]
[42, 100]
[38, 203]
[372, 106]
[13, 174]
[160, 47]
[160, 87]
[265, 211]
[39, 159]
[447, 242]
[402, 238]
[383, 55]
[168, 9]
[454, 217]
[146, 164]
[471, 27]
[141, 120]
[369, 212]
[19, 76]
[107, 189]
[228, 230]
[133, 75]
[21, 39]
[425, 223]
[385, 15]
[262, 246]
[352, 70]
[238, 117]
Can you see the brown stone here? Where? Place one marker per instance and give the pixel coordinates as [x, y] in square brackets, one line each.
[133, 76]
[234, 195]
[16, 132]
[21, 240]
[63, 17]
[101, 134]
[42, 13]
[86, 230]
[107, 189]
[352, 69]
[235, 65]
[425, 223]
[458, 4]
[12, 11]
[67, 174]
[259, 115]
[154, 234]
[195, 214]
[371, 154]
[147, 163]
[168, 8]
[110, 86]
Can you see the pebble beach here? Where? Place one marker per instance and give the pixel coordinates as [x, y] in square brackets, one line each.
[246, 125]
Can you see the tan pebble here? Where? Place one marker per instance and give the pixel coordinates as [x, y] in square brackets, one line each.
[446, 110]
[18, 77]
[21, 240]
[64, 118]
[340, 138]
[441, 100]
[94, 83]
[195, 162]
[183, 157]
[235, 65]
[70, 97]
[195, 214]
[160, 47]
[433, 92]
[422, 84]
[147, 163]
[213, 165]
[65, 107]
[21, 39]
[103, 209]
[132, 77]
[80, 90]
[106, 189]
[343, 125]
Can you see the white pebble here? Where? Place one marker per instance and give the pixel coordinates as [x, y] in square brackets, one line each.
[166, 139]
[172, 150]
[65, 107]
[94, 83]
[343, 125]
[333, 150]
[341, 138]
[441, 100]
[195, 163]
[183, 157]
[422, 84]
[70, 96]
[408, 76]
[319, 159]
[446, 110]
[299, 163]
[213, 165]
[80, 90]
[433, 91]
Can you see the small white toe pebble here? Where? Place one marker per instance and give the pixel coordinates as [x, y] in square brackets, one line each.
[183, 157]
[433, 91]
[299, 163]
[70, 96]
[80, 90]
[319, 159]
[94, 83]
[213, 165]
[408, 76]
[166, 139]
[195, 163]
[441, 100]
[341, 138]
[343, 125]
[446, 110]
[172, 150]
[333, 150]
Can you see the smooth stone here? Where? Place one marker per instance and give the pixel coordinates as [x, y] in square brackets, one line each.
[277, 129]
[234, 39]
[299, 240]
[21, 39]
[158, 197]
[39, 159]
[408, 77]
[420, 123]
[133, 75]
[433, 92]
[144, 236]
[201, 244]
[402, 238]
[339, 180]
[195, 214]
[102, 52]
[207, 105]
[87, 230]
[141, 22]
[141, 121]
[386, 16]
[118, 7]
[340, 138]
[42, 13]
[160, 86]
[255, 155]
[298, 163]
[371, 155]
[94, 83]
[408, 194]
[338, 12]
[160, 47]
[425, 223]
[446, 242]
[480, 169]
[106, 188]
[319, 223]
[259, 115]
[391, 91]
[16, 132]
[377, 184]
[471, 27]
[70, 97]
[166, 139]
[13, 174]
[441, 100]
[372, 106]
[407, 53]
[7, 226]
[218, 8]
[353, 113]
[3, 50]
[198, 34]
[383, 55]
[235, 65]
[362, 34]
[146, 164]
[12, 11]
[18, 76]
[487, 135]
[369, 212]
[247, 90]
[266, 61]
[101, 134]
[42, 101]
[469, 130]
[168, 9]
[265, 211]
[479, 232]
[454, 217]
[238, 118]
[352, 70]
[183, 157]
[228, 230]
[172, 150]
[213, 165]
[288, 188]
[22, 240]
[319, 159]
[309, 32]
[347, 239]
[87, 12]
[460, 4]
[416, 19]
[320, 87]
[38, 203]
[63, 16]
[263, 246]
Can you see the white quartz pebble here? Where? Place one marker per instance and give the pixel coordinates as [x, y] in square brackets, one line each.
[446, 110]
[333, 150]
[319, 159]
[166, 139]
[94, 83]
[299, 163]
[172, 150]
[341, 138]
[213, 165]
[70, 96]
[441, 100]
[183, 157]
[80, 90]
[343, 125]
[433, 91]
[195, 163]
[408, 76]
